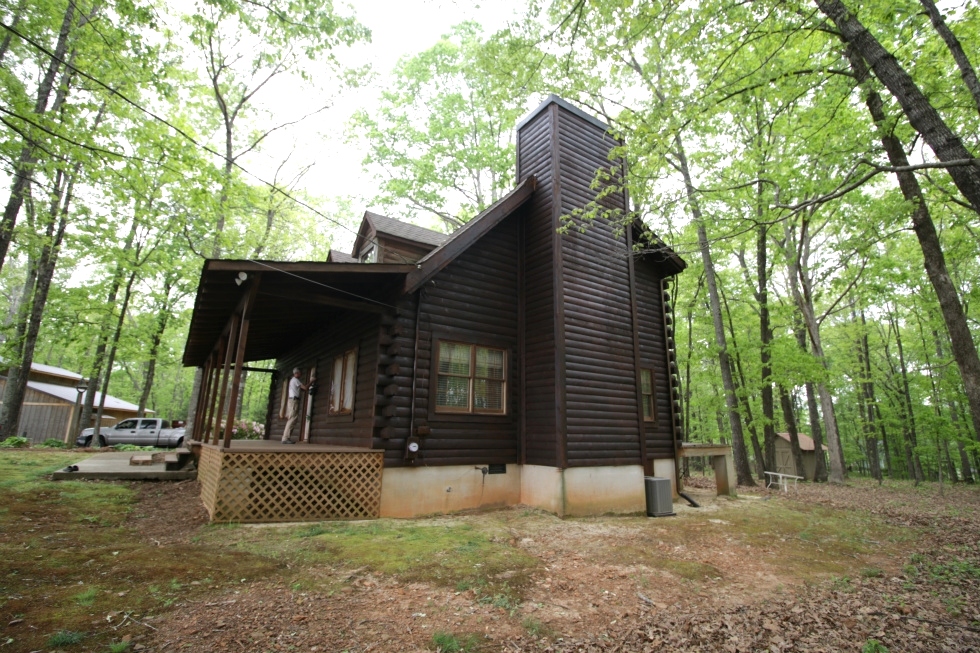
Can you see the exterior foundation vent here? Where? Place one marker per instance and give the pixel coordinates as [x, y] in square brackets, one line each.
[660, 498]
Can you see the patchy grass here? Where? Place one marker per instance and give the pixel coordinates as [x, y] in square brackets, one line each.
[442, 552]
[450, 643]
[70, 560]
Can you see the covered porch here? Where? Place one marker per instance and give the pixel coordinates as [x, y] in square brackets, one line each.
[250, 311]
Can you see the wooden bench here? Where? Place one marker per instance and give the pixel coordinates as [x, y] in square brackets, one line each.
[782, 480]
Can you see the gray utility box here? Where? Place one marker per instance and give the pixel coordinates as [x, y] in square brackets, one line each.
[660, 496]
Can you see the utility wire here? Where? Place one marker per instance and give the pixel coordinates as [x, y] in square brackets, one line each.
[177, 129]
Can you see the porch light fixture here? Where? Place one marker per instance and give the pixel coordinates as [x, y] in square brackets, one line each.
[240, 278]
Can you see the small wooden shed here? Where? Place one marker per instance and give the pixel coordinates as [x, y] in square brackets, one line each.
[513, 361]
[784, 455]
[50, 400]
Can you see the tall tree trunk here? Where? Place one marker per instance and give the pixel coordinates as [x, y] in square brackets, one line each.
[24, 166]
[14, 22]
[127, 293]
[802, 293]
[98, 360]
[867, 401]
[967, 72]
[961, 337]
[742, 471]
[789, 416]
[911, 439]
[163, 317]
[17, 388]
[924, 118]
[765, 338]
[743, 398]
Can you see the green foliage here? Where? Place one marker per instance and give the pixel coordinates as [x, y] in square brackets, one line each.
[15, 442]
[53, 443]
[450, 643]
[441, 138]
[874, 646]
[65, 638]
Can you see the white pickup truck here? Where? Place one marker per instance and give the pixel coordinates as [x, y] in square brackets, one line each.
[142, 431]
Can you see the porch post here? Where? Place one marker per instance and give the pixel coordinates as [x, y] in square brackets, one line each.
[200, 411]
[213, 384]
[233, 401]
[223, 384]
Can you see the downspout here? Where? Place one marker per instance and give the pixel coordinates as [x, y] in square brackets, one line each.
[415, 366]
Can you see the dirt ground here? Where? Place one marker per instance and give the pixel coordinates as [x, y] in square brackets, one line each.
[732, 575]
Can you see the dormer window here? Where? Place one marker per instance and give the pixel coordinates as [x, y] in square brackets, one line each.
[370, 255]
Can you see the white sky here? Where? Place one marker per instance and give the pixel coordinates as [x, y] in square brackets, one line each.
[398, 28]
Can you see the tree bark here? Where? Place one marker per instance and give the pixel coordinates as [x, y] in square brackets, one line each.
[163, 317]
[789, 416]
[741, 460]
[868, 402]
[95, 375]
[24, 167]
[802, 293]
[967, 71]
[17, 387]
[954, 317]
[924, 118]
[127, 294]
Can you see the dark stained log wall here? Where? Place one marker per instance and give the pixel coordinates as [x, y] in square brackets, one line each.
[349, 330]
[653, 355]
[475, 301]
[543, 399]
[600, 369]
[396, 251]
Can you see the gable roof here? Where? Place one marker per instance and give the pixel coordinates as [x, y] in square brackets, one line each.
[382, 224]
[430, 264]
[51, 370]
[337, 256]
[658, 251]
[806, 442]
[70, 394]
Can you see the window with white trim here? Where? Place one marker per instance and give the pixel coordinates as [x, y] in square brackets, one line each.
[471, 379]
[342, 383]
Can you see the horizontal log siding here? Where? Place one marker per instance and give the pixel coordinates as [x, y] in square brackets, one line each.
[535, 157]
[599, 359]
[393, 251]
[474, 300]
[653, 355]
[351, 330]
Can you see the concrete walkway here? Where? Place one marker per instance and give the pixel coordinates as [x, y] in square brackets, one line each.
[114, 466]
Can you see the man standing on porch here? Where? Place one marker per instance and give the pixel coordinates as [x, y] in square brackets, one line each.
[292, 408]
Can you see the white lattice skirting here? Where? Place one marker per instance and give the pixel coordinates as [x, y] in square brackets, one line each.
[287, 486]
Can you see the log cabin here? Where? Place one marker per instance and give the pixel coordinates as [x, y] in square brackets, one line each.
[527, 358]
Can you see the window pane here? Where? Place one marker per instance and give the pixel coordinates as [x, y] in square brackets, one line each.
[453, 392]
[646, 381]
[454, 358]
[350, 363]
[489, 363]
[488, 395]
[336, 383]
[647, 412]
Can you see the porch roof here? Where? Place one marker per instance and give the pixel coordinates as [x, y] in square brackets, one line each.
[289, 301]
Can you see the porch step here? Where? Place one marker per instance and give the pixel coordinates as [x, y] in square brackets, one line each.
[181, 458]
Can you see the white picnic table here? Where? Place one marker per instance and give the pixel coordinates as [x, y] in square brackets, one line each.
[782, 480]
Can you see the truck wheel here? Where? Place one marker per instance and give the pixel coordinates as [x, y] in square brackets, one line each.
[180, 442]
[102, 442]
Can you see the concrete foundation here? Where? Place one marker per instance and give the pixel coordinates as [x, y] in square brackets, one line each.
[667, 469]
[415, 491]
